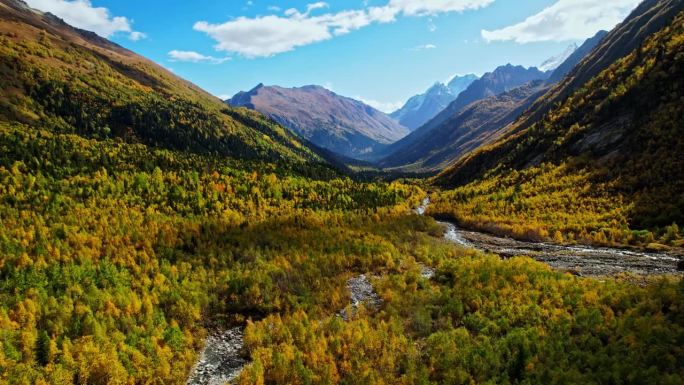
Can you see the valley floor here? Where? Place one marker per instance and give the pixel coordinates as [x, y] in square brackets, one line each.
[583, 260]
[224, 358]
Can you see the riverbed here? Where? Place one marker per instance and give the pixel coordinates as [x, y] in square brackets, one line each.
[581, 260]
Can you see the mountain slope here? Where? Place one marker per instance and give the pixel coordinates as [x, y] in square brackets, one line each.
[618, 137]
[73, 81]
[503, 79]
[460, 83]
[339, 124]
[649, 17]
[480, 122]
[476, 124]
[421, 108]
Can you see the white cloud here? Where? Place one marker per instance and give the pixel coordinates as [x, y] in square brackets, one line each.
[565, 20]
[135, 36]
[264, 36]
[433, 7]
[194, 57]
[314, 6]
[269, 35]
[273, 8]
[385, 107]
[82, 14]
[423, 47]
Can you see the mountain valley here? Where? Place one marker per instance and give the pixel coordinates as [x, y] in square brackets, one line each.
[521, 227]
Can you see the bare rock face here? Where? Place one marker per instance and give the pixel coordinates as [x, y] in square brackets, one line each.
[362, 292]
[221, 360]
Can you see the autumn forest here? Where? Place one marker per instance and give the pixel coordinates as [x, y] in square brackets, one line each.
[141, 218]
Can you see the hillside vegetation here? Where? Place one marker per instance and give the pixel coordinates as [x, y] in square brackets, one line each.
[70, 81]
[116, 257]
[611, 148]
[114, 269]
[138, 215]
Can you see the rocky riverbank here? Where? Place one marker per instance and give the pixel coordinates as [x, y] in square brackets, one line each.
[361, 292]
[221, 360]
[578, 259]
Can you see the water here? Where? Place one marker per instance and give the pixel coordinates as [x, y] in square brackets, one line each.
[579, 259]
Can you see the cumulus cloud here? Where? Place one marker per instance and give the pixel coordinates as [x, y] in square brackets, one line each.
[433, 7]
[263, 36]
[272, 34]
[82, 14]
[195, 57]
[565, 20]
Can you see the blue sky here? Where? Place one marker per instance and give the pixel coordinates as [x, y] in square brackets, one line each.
[380, 51]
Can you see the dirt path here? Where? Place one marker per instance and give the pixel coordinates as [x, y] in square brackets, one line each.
[580, 259]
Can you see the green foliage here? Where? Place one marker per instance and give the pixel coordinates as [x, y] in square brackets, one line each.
[117, 254]
[113, 269]
[481, 320]
[564, 204]
[120, 248]
[610, 154]
[100, 91]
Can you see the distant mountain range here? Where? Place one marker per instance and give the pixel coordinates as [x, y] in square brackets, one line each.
[502, 79]
[421, 108]
[343, 125]
[474, 125]
[443, 140]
